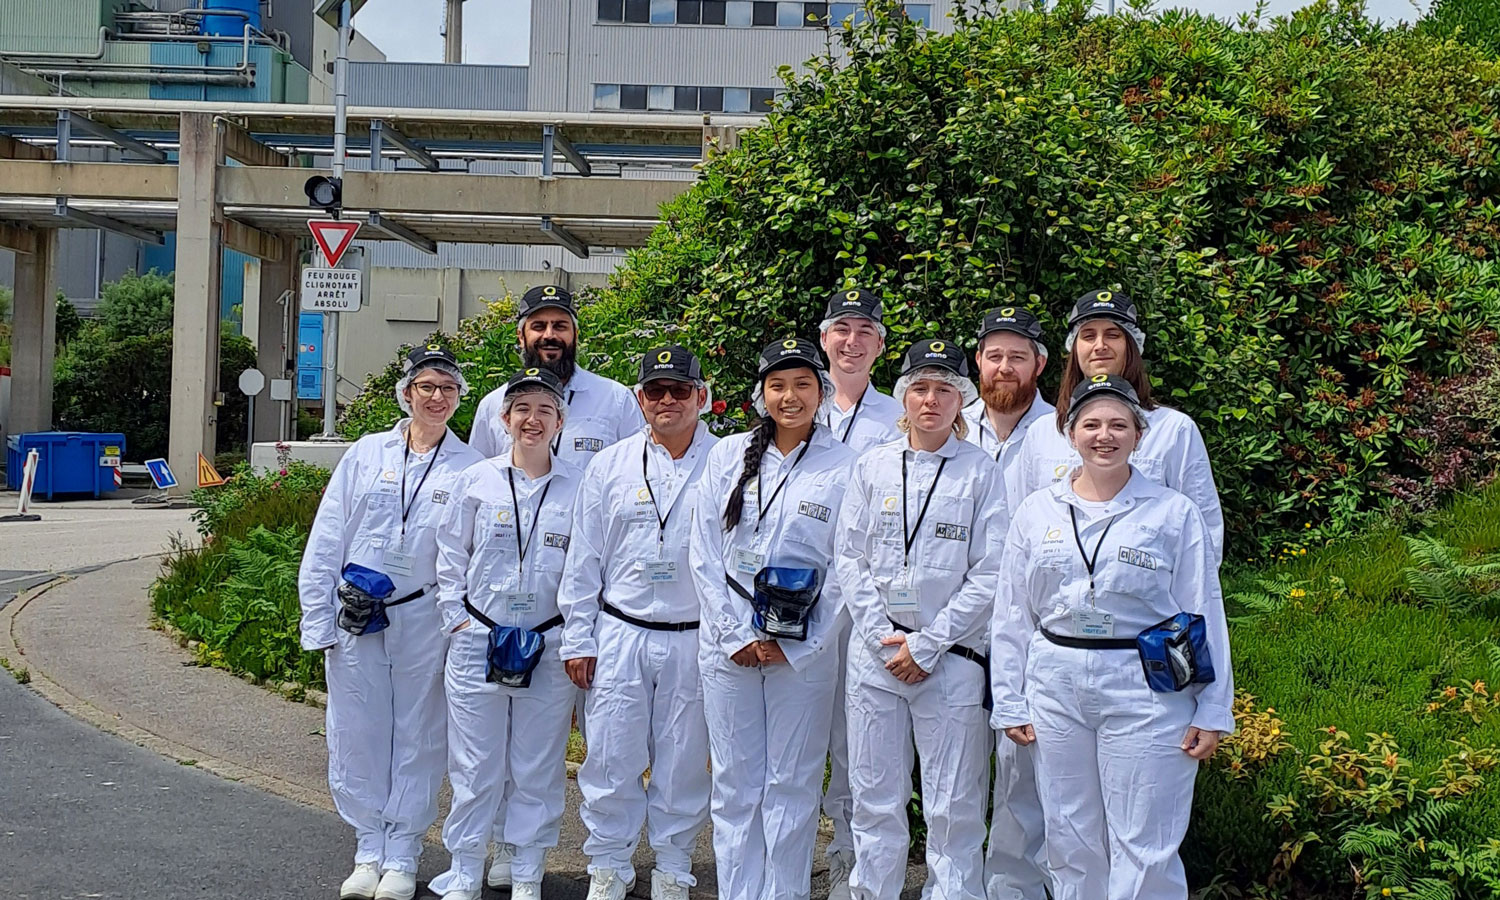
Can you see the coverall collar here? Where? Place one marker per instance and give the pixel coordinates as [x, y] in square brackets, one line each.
[1138, 489]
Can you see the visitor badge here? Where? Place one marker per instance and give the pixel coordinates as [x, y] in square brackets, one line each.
[516, 602]
[660, 571]
[400, 562]
[902, 600]
[749, 562]
[1093, 623]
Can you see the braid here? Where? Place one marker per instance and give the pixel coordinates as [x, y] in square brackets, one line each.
[755, 449]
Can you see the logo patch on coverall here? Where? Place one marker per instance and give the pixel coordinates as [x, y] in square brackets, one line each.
[555, 540]
[587, 445]
[952, 532]
[813, 510]
[1133, 557]
[440, 497]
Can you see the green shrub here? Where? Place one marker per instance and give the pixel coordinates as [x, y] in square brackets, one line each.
[1474, 21]
[276, 499]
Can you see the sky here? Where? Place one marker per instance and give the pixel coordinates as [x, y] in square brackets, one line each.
[498, 31]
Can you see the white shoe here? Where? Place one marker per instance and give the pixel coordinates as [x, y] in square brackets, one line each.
[526, 890]
[606, 884]
[396, 885]
[499, 875]
[361, 883]
[840, 864]
[667, 887]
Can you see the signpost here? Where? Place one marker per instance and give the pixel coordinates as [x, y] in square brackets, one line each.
[252, 382]
[28, 479]
[331, 290]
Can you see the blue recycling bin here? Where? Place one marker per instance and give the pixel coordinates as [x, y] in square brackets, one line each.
[69, 463]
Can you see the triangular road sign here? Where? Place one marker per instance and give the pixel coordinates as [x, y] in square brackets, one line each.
[208, 476]
[333, 237]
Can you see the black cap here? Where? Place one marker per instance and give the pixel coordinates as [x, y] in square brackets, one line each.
[670, 362]
[545, 295]
[535, 378]
[936, 352]
[420, 357]
[855, 302]
[1115, 305]
[1102, 386]
[788, 354]
[1014, 319]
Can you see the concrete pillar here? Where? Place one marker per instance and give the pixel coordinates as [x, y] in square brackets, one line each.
[34, 338]
[195, 316]
[276, 346]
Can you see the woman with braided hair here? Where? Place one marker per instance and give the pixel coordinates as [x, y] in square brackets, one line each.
[761, 555]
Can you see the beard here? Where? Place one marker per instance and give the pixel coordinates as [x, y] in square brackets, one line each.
[563, 367]
[1008, 398]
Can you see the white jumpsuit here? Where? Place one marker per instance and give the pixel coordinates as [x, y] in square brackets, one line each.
[865, 425]
[1116, 786]
[1014, 861]
[645, 707]
[386, 717]
[941, 591]
[1171, 452]
[767, 727]
[505, 744]
[600, 412]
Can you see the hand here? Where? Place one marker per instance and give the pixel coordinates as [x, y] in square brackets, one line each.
[581, 670]
[1023, 735]
[747, 656]
[770, 653]
[1200, 744]
[903, 666]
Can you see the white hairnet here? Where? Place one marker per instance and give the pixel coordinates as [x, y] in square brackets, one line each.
[1075, 410]
[511, 396]
[1136, 334]
[445, 368]
[964, 386]
[708, 397]
[825, 405]
[824, 325]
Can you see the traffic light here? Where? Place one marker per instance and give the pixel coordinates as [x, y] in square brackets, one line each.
[325, 193]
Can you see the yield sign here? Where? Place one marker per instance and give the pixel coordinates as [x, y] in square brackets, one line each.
[333, 237]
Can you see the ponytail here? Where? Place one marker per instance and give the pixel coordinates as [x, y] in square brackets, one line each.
[760, 439]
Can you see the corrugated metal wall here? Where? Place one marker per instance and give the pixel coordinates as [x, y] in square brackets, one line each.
[437, 85]
[54, 26]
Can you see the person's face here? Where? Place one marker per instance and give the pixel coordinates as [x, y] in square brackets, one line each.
[852, 344]
[671, 406]
[792, 397]
[433, 396]
[932, 405]
[534, 419]
[1100, 348]
[1104, 434]
[549, 333]
[1008, 369]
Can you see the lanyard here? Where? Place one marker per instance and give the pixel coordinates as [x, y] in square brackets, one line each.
[406, 505]
[911, 534]
[557, 441]
[766, 506]
[521, 548]
[1090, 561]
[661, 520]
[984, 420]
[849, 423]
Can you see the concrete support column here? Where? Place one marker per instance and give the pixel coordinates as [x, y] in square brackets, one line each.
[34, 339]
[195, 316]
[276, 344]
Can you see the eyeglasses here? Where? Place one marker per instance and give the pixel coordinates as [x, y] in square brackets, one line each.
[680, 390]
[428, 388]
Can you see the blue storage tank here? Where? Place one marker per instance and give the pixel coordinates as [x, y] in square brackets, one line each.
[68, 462]
[230, 26]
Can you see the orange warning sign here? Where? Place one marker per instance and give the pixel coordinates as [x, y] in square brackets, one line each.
[208, 476]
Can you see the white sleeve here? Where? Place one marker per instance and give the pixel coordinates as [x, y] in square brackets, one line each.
[724, 624]
[1189, 472]
[455, 548]
[484, 436]
[1011, 627]
[323, 558]
[851, 559]
[1196, 589]
[583, 573]
[631, 420]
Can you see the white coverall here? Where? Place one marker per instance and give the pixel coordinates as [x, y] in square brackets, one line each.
[942, 590]
[767, 727]
[1171, 453]
[600, 412]
[1116, 786]
[1014, 862]
[386, 717]
[865, 425]
[504, 743]
[645, 708]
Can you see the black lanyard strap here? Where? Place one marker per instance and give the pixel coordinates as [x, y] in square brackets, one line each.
[911, 534]
[765, 507]
[557, 441]
[521, 549]
[849, 424]
[661, 520]
[1090, 561]
[406, 505]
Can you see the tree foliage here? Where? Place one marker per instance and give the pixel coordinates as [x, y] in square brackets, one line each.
[1475, 21]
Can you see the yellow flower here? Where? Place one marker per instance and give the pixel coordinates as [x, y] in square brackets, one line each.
[1385, 892]
[1298, 593]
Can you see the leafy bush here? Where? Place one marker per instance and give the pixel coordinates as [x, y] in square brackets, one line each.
[287, 497]
[1474, 21]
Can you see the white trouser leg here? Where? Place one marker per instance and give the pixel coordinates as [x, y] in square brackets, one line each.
[1014, 865]
[953, 740]
[734, 703]
[360, 723]
[880, 761]
[677, 798]
[541, 718]
[416, 646]
[620, 699]
[837, 804]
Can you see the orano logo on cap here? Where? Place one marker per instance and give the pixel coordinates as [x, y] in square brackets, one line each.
[851, 297]
[664, 356]
[1104, 298]
[1008, 312]
[533, 372]
[434, 347]
[790, 344]
[937, 346]
[549, 291]
[1099, 379]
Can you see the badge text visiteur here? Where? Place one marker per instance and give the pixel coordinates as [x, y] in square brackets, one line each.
[331, 290]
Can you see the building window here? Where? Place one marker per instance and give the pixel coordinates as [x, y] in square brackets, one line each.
[632, 96]
[736, 100]
[606, 96]
[814, 15]
[638, 11]
[689, 12]
[761, 99]
[663, 12]
[713, 12]
[764, 14]
[684, 98]
[739, 13]
[711, 99]
[744, 13]
[920, 13]
[611, 10]
[789, 15]
[660, 97]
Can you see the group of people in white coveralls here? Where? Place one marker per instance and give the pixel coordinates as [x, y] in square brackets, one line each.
[859, 583]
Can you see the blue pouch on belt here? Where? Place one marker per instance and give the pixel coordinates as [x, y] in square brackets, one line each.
[784, 601]
[513, 655]
[362, 596]
[1175, 653]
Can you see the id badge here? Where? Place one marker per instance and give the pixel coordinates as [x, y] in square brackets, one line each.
[1093, 623]
[661, 571]
[901, 597]
[749, 562]
[400, 562]
[516, 602]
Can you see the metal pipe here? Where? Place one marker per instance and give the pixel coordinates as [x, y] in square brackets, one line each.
[453, 32]
[245, 80]
[98, 54]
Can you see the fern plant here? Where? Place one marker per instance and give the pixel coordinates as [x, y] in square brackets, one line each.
[1440, 578]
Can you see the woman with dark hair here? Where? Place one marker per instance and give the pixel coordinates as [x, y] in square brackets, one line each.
[1105, 338]
[761, 555]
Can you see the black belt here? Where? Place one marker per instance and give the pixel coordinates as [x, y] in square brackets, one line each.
[487, 622]
[973, 656]
[420, 592]
[644, 623]
[1079, 643]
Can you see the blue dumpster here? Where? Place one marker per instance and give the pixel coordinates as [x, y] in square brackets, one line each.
[68, 462]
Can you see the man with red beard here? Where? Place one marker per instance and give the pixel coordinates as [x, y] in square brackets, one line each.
[1010, 358]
